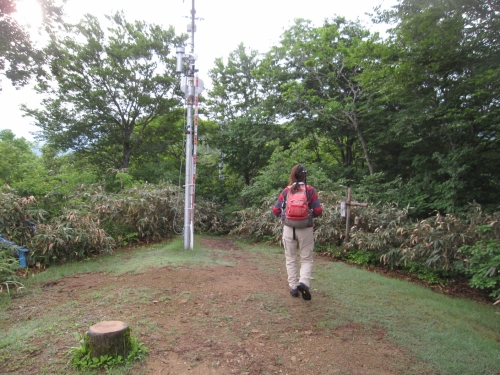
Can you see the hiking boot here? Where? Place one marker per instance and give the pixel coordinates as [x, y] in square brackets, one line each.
[304, 290]
[294, 292]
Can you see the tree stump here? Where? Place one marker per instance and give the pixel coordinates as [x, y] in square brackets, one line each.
[109, 338]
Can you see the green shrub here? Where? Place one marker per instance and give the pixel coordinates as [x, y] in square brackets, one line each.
[75, 235]
[82, 360]
[52, 189]
[16, 215]
[434, 241]
[147, 210]
[274, 176]
[363, 258]
[428, 275]
[258, 222]
[482, 263]
[8, 266]
[212, 218]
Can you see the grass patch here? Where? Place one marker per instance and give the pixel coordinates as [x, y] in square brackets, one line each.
[131, 262]
[456, 336]
[22, 327]
[261, 254]
[452, 335]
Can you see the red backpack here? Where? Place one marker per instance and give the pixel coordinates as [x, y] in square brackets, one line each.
[296, 211]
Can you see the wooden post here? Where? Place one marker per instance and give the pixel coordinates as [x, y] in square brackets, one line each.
[348, 204]
[111, 338]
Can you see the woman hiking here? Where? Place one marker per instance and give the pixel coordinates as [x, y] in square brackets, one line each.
[297, 205]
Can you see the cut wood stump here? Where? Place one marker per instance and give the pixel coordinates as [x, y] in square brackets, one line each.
[109, 338]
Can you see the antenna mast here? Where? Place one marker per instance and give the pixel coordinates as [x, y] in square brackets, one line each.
[191, 86]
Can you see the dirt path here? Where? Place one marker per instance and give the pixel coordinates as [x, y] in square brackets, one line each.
[219, 320]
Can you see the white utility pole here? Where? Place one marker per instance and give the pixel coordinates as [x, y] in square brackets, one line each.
[191, 86]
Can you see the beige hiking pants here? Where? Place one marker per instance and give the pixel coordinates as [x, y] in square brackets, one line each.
[304, 238]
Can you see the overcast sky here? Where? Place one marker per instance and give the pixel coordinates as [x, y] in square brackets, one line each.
[226, 23]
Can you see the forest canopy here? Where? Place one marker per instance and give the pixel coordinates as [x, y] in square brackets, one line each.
[417, 110]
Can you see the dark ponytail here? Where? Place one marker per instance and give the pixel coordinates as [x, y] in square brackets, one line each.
[298, 174]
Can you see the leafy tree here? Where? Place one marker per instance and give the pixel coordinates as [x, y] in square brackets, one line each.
[235, 91]
[107, 89]
[246, 147]
[160, 151]
[316, 70]
[274, 177]
[439, 80]
[209, 182]
[235, 102]
[50, 178]
[19, 58]
[209, 185]
[16, 157]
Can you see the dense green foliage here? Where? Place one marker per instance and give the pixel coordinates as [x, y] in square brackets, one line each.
[16, 158]
[482, 262]
[317, 71]
[434, 85]
[8, 266]
[19, 57]
[418, 109]
[108, 88]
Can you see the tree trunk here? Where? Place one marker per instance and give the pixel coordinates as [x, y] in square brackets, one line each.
[109, 338]
[127, 151]
[354, 122]
[348, 152]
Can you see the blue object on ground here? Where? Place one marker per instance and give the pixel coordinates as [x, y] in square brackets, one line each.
[19, 251]
[22, 256]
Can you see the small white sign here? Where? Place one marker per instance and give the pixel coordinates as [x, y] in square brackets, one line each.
[342, 209]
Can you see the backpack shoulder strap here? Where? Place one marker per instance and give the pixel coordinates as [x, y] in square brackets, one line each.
[283, 204]
[288, 191]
